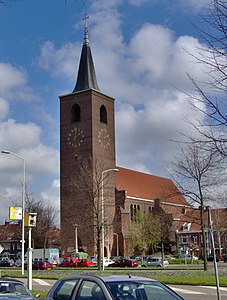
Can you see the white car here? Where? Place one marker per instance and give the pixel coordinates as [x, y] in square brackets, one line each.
[107, 262]
[154, 261]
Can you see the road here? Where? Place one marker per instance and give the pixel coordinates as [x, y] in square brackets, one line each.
[187, 292]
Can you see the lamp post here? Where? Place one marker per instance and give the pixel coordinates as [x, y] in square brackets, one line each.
[76, 238]
[102, 212]
[23, 206]
[117, 244]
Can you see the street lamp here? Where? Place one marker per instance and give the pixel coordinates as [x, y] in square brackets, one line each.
[23, 206]
[102, 211]
[117, 244]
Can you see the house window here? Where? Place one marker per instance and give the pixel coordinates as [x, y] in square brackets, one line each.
[75, 113]
[195, 239]
[103, 114]
[184, 239]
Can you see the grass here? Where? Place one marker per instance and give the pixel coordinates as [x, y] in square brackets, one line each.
[168, 275]
[178, 276]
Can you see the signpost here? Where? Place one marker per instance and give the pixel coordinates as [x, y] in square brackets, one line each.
[15, 213]
[30, 221]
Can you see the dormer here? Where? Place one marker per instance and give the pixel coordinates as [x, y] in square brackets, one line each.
[187, 226]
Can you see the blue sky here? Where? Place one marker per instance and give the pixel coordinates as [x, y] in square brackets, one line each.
[140, 50]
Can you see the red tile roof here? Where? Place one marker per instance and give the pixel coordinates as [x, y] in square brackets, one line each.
[149, 187]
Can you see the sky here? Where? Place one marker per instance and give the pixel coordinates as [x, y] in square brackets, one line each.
[142, 52]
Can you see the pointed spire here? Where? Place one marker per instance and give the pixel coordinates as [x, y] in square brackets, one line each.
[86, 78]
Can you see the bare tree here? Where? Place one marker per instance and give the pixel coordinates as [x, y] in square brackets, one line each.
[46, 219]
[213, 32]
[165, 226]
[196, 173]
[87, 189]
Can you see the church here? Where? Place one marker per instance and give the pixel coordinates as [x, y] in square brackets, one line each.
[95, 194]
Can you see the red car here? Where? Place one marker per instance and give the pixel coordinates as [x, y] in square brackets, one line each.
[82, 263]
[42, 265]
[65, 263]
[124, 263]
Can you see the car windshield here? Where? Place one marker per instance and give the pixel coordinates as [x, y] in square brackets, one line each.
[132, 290]
[13, 287]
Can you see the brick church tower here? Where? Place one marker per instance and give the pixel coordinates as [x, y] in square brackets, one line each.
[87, 157]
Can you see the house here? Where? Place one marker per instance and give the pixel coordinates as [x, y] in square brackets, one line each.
[10, 239]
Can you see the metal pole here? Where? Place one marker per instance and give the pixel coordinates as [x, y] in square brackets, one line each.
[23, 207]
[30, 259]
[102, 213]
[23, 210]
[215, 262]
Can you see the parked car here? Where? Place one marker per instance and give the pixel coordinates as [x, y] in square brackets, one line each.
[4, 263]
[14, 289]
[124, 263]
[94, 260]
[40, 265]
[109, 287]
[107, 262]
[154, 262]
[65, 262]
[82, 263]
[210, 257]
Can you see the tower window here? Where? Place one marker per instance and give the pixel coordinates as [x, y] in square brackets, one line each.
[75, 113]
[103, 114]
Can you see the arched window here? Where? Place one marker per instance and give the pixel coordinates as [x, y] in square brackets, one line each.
[135, 212]
[131, 213]
[75, 113]
[103, 114]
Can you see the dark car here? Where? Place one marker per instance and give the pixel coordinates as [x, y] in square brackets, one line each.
[110, 287]
[12, 289]
[210, 257]
[124, 263]
[5, 263]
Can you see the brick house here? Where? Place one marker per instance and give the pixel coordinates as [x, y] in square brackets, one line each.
[189, 236]
[10, 239]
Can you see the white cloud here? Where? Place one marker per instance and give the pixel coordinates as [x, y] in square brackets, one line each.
[59, 62]
[11, 77]
[14, 84]
[4, 108]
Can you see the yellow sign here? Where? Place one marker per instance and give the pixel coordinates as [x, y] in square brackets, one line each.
[30, 219]
[15, 213]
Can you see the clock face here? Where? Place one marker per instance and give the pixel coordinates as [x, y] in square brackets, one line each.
[75, 137]
[104, 138]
